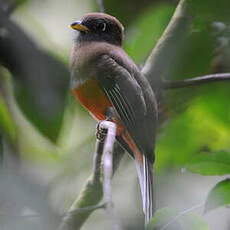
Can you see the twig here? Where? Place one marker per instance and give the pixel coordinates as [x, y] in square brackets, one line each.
[162, 57]
[101, 7]
[196, 81]
[108, 171]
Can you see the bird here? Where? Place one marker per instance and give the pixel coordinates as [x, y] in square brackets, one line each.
[104, 79]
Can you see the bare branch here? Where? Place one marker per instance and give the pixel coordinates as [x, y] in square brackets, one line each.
[101, 7]
[108, 171]
[91, 194]
[161, 59]
[196, 81]
[108, 159]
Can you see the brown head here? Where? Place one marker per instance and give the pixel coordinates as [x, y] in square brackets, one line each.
[99, 27]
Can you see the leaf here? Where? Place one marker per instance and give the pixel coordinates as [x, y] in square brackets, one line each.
[161, 218]
[170, 219]
[193, 222]
[217, 163]
[216, 10]
[145, 32]
[218, 196]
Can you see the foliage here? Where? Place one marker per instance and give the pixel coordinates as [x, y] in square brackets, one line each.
[167, 218]
[218, 196]
[211, 163]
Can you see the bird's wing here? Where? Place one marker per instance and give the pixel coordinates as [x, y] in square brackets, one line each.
[125, 94]
[134, 102]
[129, 100]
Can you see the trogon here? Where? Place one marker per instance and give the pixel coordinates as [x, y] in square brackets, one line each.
[104, 78]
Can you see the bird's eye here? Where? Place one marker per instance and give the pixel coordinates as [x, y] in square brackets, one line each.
[102, 26]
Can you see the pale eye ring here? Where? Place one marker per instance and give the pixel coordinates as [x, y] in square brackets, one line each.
[103, 26]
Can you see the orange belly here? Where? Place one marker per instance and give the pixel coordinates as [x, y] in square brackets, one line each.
[96, 102]
[93, 98]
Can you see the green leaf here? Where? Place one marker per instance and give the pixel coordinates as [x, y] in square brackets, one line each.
[145, 32]
[168, 218]
[217, 163]
[161, 218]
[193, 222]
[216, 10]
[218, 196]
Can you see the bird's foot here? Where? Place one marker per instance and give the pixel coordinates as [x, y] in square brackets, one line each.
[100, 132]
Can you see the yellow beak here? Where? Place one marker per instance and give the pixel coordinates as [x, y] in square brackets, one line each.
[78, 26]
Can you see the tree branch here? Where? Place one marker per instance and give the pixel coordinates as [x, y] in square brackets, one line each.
[10, 7]
[162, 57]
[33, 73]
[108, 172]
[196, 81]
[108, 159]
[91, 194]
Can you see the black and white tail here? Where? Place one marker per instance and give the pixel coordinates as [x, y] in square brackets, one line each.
[145, 176]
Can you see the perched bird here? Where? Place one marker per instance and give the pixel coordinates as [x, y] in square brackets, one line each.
[104, 78]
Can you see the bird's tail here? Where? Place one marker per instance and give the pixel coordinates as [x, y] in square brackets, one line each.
[145, 176]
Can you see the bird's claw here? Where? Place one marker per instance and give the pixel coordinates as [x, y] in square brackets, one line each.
[100, 133]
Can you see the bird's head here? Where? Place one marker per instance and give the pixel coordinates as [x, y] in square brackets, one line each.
[99, 27]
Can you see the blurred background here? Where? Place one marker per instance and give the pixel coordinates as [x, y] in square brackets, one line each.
[47, 139]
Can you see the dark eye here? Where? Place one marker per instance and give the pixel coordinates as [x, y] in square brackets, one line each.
[102, 26]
